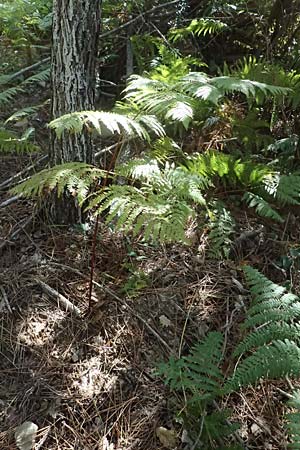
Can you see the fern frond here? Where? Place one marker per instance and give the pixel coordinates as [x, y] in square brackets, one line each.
[263, 71]
[274, 345]
[275, 361]
[162, 206]
[197, 27]
[160, 98]
[222, 227]
[288, 190]
[75, 177]
[198, 373]
[139, 209]
[24, 112]
[10, 142]
[212, 164]
[39, 77]
[9, 94]
[198, 85]
[164, 149]
[261, 288]
[179, 101]
[293, 421]
[261, 206]
[267, 334]
[107, 123]
[275, 314]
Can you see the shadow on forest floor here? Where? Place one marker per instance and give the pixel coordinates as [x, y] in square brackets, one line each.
[88, 382]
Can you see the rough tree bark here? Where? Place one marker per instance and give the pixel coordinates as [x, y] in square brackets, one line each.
[76, 25]
[74, 54]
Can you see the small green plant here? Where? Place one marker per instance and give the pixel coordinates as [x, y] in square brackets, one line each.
[136, 281]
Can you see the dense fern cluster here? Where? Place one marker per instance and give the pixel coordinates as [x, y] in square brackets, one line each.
[161, 199]
[189, 97]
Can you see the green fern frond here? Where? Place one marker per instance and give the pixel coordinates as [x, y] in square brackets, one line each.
[198, 373]
[137, 209]
[24, 112]
[107, 123]
[293, 421]
[164, 149]
[261, 206]
[275, 301]
[198, 85]
[140, 169]
[275, 361]
[222, 227]
[10, 142]
[261, 288]
[216, 427]
[212, 164]
[180, 100]
[9, 94]
[197, 27]
[160, 98]
[274, 337]
[275, 314]
[270, 73]
[267, 334]
[288, 190]
[39, 77]
[77, 178]
[171, 181]
[162, 206]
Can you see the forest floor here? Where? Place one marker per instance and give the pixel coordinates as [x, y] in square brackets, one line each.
[87, 378]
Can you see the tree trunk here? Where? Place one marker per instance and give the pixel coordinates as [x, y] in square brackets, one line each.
[76, 25]
[74, 54]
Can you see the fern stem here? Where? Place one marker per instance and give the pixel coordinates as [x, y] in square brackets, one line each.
[94, 242]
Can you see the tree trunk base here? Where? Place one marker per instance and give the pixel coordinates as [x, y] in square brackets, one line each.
[63, 210]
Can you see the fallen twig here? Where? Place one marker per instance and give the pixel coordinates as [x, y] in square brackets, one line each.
[29, 68]
[15, 233]
[106, 150]
[15, 178]
[5, 301]
[119, 299]
[138, 17]
[10, 200]
[63, 302]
